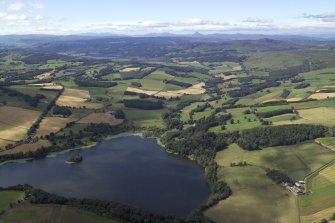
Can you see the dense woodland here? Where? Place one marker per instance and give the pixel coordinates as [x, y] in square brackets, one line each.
[256, 138]
[61, 110]
[94, 83]
[143, 104]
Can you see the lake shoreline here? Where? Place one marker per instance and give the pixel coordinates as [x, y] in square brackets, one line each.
[137, 159]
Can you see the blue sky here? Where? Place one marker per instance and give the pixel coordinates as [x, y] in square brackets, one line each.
[177, 16]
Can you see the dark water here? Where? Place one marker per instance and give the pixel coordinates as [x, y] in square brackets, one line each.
[128, 169]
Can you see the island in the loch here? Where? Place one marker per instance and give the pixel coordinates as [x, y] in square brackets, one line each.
[74, 158]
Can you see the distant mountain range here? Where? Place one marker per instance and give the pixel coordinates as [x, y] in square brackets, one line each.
[33, 40]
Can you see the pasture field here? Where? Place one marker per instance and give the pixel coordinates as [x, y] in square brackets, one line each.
[155, 81]
[255, 198]
[328, 142]
[77, 98]
[262, 96]
[283, 118]
[225, 67]
[147, 118]
[112, 76]
[314, 104]
[322, 96]
[297, 161]
[199, 115]
[32, 90]
[15, 122]
[52, 124]
[272, 60]
[68, 84]
[53, 64]
[8, 197]
[321, 115]
[195, 89]
[241, 121]
[322, 193]
[51, 213]
[27, 147]
[272, 108]
[185, 112]
[100, 118]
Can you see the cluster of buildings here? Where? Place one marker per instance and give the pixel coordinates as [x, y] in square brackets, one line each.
[295, 188]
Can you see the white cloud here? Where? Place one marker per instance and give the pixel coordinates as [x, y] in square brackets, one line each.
[16, 6]
[38, 24]
[258, 20]
[36, 5]
[38, 18]
[324, 17]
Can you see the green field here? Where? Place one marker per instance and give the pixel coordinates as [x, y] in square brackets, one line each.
[297, 161]
[8, 197]
[285, 117]
[255, 198]
[51, 213]
[273, 60]
[241, 121]
[326, 141]
[321, 191]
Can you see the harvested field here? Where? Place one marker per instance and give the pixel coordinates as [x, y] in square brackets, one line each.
[3, 142]
[77, 99]
[328, 87]
[27, 147]
[130, 69]
[321, 96]
[195, 89]
[294, 99]
[100, 118]
[42, 85]
[318, 216]
[321, 115]
[44, 75]
[237, 68]
[53, 87]
[15, 122]
[52, 124]
[48, 86]
[189, 62]
[140, 91]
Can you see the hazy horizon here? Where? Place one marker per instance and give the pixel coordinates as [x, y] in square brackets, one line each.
[178, 17]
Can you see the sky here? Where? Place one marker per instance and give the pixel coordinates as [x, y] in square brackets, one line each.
[138, 17]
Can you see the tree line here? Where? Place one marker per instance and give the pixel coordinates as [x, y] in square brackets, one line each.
[178, 83]
[108, 209]
[274, 113]
[88, 82]
[143, 104]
